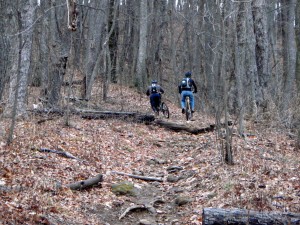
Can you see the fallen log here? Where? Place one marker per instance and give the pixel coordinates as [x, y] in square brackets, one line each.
[95, 114]
[216, 216]
[134, 116]
[91, 182]
[182, 127]
[139, 177]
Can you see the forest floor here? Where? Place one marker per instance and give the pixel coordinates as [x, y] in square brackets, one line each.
[33, 185]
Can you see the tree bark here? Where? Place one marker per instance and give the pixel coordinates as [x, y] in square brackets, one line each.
[289, 57]
[142, 52]
[297, 23]
[262, 45]
[88, 183]
[4, 46]
[26, 14]
[94, 48]
[240, 51]
[215, 216]
[251, 67]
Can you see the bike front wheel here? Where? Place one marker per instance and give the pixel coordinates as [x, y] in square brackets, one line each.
[165, 110]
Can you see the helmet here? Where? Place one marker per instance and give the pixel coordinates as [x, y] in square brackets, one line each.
[188, 74]
[154, 81]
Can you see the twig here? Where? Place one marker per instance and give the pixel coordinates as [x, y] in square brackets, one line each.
[60, 152]
[139, 177]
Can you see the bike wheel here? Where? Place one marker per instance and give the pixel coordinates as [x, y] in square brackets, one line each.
[188, 110]
[165, 110]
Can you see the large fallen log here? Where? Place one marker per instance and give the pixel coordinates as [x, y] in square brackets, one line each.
[134, 116]
[182, 127]
[216, 216]
[96, 114]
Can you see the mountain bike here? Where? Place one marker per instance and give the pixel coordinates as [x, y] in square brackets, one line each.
[163, 108]
[188, 108]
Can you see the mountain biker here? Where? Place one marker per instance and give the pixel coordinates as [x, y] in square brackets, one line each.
[186, 88]
[155, 91]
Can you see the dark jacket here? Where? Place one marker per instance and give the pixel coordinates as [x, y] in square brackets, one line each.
[158, 88]
[192, 87]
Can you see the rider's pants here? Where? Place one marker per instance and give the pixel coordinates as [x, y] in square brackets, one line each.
[183, 95]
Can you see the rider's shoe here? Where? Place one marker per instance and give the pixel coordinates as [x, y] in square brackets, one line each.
[183, 111]
[193, 111]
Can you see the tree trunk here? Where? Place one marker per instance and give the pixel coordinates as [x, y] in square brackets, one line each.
[262, 45]
[26, 14]
[251, 67]
[214, 216]
[113, 38]
[142, 52]
[4, 46]
[94, 47]
[297, 23]
[289, 57]
[240, 38]
[44, 50]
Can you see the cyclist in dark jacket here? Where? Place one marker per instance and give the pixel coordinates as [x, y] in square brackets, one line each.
[186, 88]
[155, 91]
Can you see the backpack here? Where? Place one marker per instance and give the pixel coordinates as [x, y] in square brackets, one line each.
[185, 83]
[153, 89]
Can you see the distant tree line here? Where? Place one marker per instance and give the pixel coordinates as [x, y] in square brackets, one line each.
[244, 55]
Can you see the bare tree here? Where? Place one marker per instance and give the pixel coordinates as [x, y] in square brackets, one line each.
[19, 77]
[297, 26]
[289, 51]
[24, 18]
[142, 53]
[4, 47]
[262, 45]
[94, 37]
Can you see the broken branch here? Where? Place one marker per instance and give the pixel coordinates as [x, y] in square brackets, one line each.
[91, 182]
[139, 177]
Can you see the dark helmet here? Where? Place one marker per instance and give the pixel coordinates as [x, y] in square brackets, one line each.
[188, 74]
[154, 81]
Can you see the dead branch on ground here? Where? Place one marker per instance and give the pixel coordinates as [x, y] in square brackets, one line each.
[139, 177]
[88, 183]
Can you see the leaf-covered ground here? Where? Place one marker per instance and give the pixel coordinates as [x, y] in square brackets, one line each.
[265, 175]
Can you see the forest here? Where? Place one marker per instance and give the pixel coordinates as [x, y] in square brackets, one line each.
[73, 106]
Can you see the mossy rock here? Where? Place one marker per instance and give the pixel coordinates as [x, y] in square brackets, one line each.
[123, 188]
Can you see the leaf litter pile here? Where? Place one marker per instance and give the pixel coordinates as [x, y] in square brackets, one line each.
[34, 184]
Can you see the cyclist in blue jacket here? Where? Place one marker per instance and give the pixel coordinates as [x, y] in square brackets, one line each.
[186, 88]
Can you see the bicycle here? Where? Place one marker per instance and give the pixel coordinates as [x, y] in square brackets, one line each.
[188, 108]
[164, 109]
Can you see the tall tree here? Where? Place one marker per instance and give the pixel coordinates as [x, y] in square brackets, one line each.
[297, 26]
[262, 45]
[142, 52]
[94, 37]
[21, 51]
[4, 46]
[289, 51]
[240, 57]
